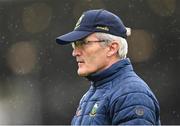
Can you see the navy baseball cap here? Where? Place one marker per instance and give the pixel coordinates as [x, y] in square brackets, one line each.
[94, 21]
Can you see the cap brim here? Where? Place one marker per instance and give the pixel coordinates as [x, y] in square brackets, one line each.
[71, 37]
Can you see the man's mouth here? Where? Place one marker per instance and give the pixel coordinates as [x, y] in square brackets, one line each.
[80, 62]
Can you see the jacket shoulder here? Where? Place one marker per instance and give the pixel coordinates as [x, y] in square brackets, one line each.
[132, 99]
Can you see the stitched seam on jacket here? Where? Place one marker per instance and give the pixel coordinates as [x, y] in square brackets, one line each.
[134, 104]
[141, 117]
[139, 105]
[80, 121]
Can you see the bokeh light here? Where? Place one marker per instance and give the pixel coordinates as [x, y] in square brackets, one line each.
[22, 57]
[3, 113]
[141, 45]
[36, 17]
[23, 104]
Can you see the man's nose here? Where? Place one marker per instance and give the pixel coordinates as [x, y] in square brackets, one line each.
[76, 52]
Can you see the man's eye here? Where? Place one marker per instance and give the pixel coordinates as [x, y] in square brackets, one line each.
[80, 43]
[84, 43]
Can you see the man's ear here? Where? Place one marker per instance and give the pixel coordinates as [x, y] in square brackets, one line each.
[113, 48]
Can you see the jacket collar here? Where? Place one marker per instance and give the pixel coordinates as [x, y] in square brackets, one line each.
[110, 73]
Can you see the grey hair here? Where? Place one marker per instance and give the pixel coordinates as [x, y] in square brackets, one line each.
[123, 50]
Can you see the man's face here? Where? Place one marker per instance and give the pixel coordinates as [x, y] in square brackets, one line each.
[90, 55]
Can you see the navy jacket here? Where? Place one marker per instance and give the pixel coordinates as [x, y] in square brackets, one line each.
[117, 96]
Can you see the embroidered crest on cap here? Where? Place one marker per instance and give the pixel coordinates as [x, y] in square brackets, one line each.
[79, 21]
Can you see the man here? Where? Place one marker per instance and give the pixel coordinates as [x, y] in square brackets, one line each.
[116, 95]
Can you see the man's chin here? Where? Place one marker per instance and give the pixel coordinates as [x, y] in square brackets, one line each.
[82, 74]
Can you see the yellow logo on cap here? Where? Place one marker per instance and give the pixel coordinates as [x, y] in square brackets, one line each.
[79, 21]
[102, 28]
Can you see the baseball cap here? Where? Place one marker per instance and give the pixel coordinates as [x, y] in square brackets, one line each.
[94, 21]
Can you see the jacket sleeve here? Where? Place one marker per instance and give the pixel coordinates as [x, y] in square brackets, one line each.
[134, 109]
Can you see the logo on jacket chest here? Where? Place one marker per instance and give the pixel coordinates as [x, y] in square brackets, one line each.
[94, 109]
